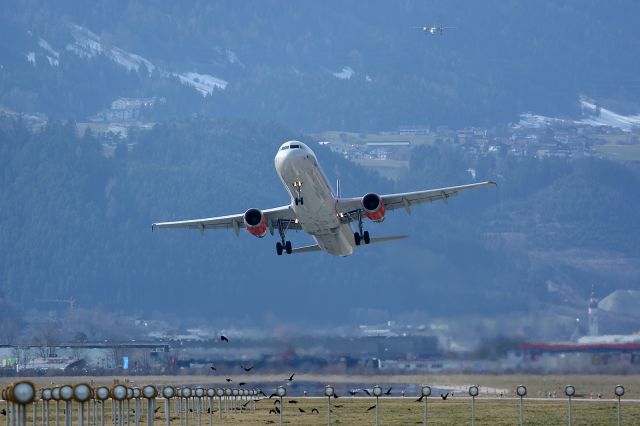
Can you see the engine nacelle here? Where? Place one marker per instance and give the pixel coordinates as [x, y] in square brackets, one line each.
[255, 222]
[373, 207]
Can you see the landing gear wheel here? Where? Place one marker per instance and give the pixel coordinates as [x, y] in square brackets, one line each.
[366, 238]
[279, 248]
[356, 237]
[297, 201]
[287, 247]
[301, 201]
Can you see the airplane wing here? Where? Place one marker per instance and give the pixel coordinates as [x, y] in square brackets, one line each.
[407, 199]
[234, 221]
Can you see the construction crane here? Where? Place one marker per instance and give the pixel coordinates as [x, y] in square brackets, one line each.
[71, 302]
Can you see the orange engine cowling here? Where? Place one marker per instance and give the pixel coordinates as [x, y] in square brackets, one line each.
[373, 207]
[255, 222]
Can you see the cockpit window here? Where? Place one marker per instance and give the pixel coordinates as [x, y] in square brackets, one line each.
[284, 147]
[294, 146]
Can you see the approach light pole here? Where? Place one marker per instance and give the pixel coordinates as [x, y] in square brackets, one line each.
[521, 391]
[425, 392]
[619, 391]
[81, 393]
[150, 393]
[570, 391]
[281, 391]
[473, 392]
[377, 392]
[329, 392]
[102, 394]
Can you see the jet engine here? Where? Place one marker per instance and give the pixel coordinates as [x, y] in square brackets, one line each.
[255, 222]
[373, 207]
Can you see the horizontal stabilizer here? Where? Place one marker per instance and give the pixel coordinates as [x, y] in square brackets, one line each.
[385, 239]
[306, 249]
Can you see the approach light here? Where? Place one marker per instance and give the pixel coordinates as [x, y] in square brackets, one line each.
[186, 392]
[281, 391]
[570, 391]
[66, 393]
[119, 392]
[521, 390]
[211, 392]
[149, 392]
[619, 390]
[102, 393]
[377, 391]
[199, 392]
[23, 392]
[425, 390]
[168, 392]
[46, 394]
[473, 391]
[329, 391]
[82, 392]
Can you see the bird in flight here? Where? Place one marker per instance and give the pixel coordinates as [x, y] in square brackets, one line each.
[301, 410]
[444, 396]
[272, 411]
[338, 406]
[293, 401]
[213, 368]
[371, 408]
[246, 403]
[272, 395]
[419, 399]
[315, 410]
[277, 410]
[352, 392]
[366, 391]
[290, 379]
[388, 392]
[228, 380]
[247, 369]
[224, 338]
[156, 410]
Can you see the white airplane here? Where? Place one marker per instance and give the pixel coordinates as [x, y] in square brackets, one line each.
[315, 209]
[436, 29]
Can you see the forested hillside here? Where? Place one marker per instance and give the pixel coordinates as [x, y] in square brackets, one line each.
[76, 223]
[320, 65]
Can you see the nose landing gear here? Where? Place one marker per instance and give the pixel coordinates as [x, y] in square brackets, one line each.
[297, 185]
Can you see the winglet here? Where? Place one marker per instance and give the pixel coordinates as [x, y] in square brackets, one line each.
[153, 226]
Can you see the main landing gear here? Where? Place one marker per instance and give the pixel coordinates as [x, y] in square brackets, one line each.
[297, 185]
[283, 245]
[361, 236]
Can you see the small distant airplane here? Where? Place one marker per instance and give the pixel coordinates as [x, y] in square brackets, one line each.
[316, 209]
[436, 29]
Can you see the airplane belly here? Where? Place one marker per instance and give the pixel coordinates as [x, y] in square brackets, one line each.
[339, 242]
[317, 212]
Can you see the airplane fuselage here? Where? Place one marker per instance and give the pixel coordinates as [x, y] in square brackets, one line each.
[312, 199]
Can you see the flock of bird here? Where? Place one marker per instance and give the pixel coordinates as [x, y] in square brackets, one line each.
[276, 408]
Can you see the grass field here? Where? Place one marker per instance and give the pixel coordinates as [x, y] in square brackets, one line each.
[490, 408]
[620, 152]
[393, 411]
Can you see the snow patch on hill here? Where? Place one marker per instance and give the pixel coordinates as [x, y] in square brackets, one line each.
[595, 116]
[88, 45]
[346, 73]
[203, 83]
